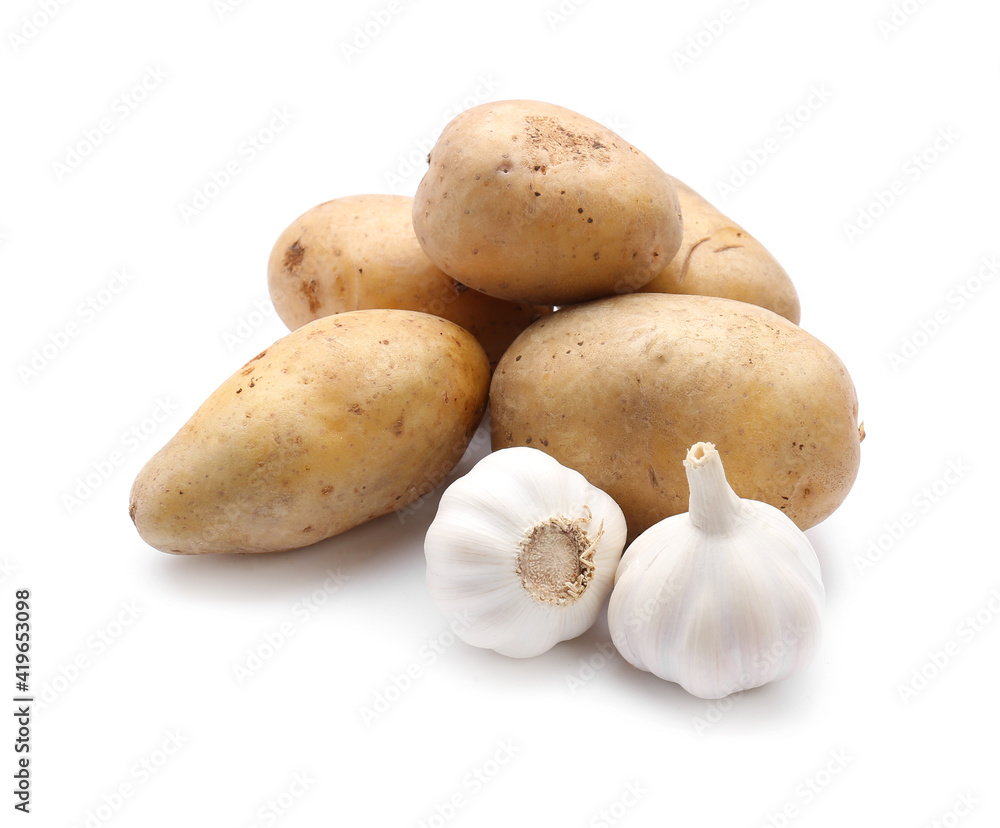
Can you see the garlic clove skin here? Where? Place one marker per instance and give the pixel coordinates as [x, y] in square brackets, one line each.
[522, 552]
[723, 598]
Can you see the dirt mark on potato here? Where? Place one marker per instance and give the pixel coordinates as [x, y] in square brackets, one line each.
[310, 292]
[547, 135]
[294, 255]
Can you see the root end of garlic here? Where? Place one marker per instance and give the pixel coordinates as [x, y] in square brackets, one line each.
[555, 560]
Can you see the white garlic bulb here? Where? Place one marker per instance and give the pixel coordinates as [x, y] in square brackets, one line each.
[522, 552]
[723, 598]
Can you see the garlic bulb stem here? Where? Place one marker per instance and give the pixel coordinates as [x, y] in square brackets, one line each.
[714, 507]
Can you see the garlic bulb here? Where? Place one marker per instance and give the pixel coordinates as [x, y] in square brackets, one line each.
[522, 552]
[723, 598]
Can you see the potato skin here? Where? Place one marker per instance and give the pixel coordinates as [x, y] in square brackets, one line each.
[717, 257]
[347, 418]
[533, 202]
[359, 252]
[620, 388]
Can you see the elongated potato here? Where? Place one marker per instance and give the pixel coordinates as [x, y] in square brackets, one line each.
[717, 257]
[345, 419]
[360, 252]
[619, 388]
[533, 202]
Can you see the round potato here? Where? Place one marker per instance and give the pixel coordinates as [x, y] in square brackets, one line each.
[719, 258]
[620, 388]
[533, 202]
[360, 252]
[345, 419]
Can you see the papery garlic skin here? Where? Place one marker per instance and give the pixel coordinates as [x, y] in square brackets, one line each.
[522, 552]
[722, 598]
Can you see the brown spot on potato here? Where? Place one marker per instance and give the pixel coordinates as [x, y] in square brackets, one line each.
[397, 427]
[248, 368]
[326, 490]
[294, 255]
[309, 290]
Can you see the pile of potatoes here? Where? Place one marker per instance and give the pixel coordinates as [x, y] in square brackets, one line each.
[548, 270]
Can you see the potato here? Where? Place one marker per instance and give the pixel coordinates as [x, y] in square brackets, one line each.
[360, 252]
[620, 388]
[531, 202]
[345, 419]
[719, 258]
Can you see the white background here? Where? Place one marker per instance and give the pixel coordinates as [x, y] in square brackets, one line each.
[135, 652]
